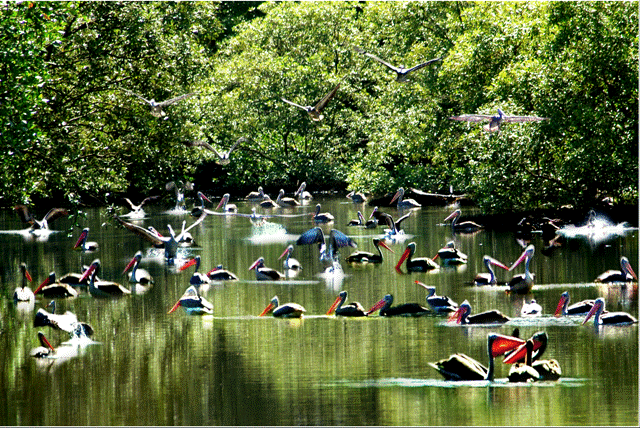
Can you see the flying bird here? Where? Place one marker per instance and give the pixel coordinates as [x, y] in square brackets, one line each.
[156, 107]
[223, 156]
[315, 112]
[496, 120]
[402, 73]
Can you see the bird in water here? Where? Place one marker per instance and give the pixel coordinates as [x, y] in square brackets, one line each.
[258, 196]
[357, 197]
[226, 206]
[264, 273]
[601, 317]
[464, 226]
[488, 278]
[315, 112]
[27, 217]
[83, 244]
[405, 309]
[102, 288]
[402, 74]
[197, 211]
[50, 287]
[372, 223]
[496, 120]
[218, 273]
[461, 316]
[136, 210]
[581, 308]
[156, 107]
[319, 217]
[531, 309]
[286, 310]
[351, 309]
[180, 189]
[24, 293]
[438, 304]
[67, 322]
[421, 264]
[522, 283]
[302, 194]
[283, 201]
[450, 255]
[137, 274]
[394, 226]
[404, 203]
[532, 369]
[626, 274]
[289, 262]
[193, 303]
[328, 250]
[367, 257]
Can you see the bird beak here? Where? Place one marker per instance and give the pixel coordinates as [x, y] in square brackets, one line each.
[187, 264]
[450, 216]
[82, 236]
[87, 273]
[254, 265]
[384, 245]
[334, 306]
[403, 258]
[499, 264]
[377, 306]
[394, 197]
[45, 282]
[133, 260]
[44, 341]
[457, 315]
[221, 203]
[520, 351]
[266, 310]
[517, 262]
[593, 310]
[559, 308]
[28, 275]
[178, 303]
[503, 344]
[283, 254]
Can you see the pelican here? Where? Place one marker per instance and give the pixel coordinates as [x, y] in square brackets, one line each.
[366, 257]
[73, 278]
[450, 255]
[156, 107]
[580, 308]
[227, 207]
[169, 243]
[532, 369]
[461, 316]
[218, 273]
[257, 196]
[360, 221]
[83, 244]
[315, 112]
[193, 303]
[102, 288]
[402, 74]
[136, 210]
[268, 203]
[285, 202]
[609, 318]
[24, 293]
[357, 197]
[531, 309]
[198, 210]
[328, 251]
[462, 227]
[289, 262]
[625, 275]
[45, 350]
[404, 203]
[421, 264]
[488, 278]
[352, 309]
[319, 217]
[264, 273]
[65, 322]
[460, 367]
[394, 226]
[405, 310]
[137, 274]
[223, 156]
[27, 217]
[287, 310]
[302, 194]
[497, 120]
[197, 278]
[522, 283]
[180, 188]
[52, 288]
[439, 304]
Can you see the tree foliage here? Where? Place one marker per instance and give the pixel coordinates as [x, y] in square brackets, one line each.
[72, 127]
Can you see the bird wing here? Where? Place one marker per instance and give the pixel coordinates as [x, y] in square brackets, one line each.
[238, 141]
[175, 100]
[24, 214]
[401, 219]
[311, 236]
[323, 102]
[523, 118]
[341, 240]
[139, 96]
[293, 104]
[381, 61]
[197, 222]
[472, 117]
[141, 231]
[424, 64]
[148, 199]
[201, 143]
[133, 207]
[55, 213]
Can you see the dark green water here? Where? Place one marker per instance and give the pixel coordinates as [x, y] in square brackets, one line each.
[233, 368]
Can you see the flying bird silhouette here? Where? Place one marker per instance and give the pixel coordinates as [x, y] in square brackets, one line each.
[315, 112]
[156, 107]
[402, 74]
[496, 120]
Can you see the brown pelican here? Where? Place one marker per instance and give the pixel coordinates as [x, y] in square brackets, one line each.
[461, 316]
[421, 264]
[608, 318]
[405, 310]
[625, 275]
[367, 257]
[290, 262]
[404, 203]
[52, 288]
[352, 309]
[156, 107]
[490, 277]
[459, 367]
[497, 120]
[462, 227]
[328, 251]
[85, 245]
[402, 73]
[193, 303]
[27, 217]
[287, 310]
[315, 112]
[319, 217]
[265, 273]
[522, 283]
[24, 293]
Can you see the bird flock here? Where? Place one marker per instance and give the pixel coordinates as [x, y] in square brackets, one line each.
[523, 354]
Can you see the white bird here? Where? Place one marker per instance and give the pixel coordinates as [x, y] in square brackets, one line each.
[136, 210]
[315, 112]
[223, 156]
[402, 73]
[180, 189]
[156, 107]
[496, 120]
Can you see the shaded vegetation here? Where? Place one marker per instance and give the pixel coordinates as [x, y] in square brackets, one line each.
[73, 132]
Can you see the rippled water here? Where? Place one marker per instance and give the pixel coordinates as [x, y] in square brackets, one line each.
[148, 367]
